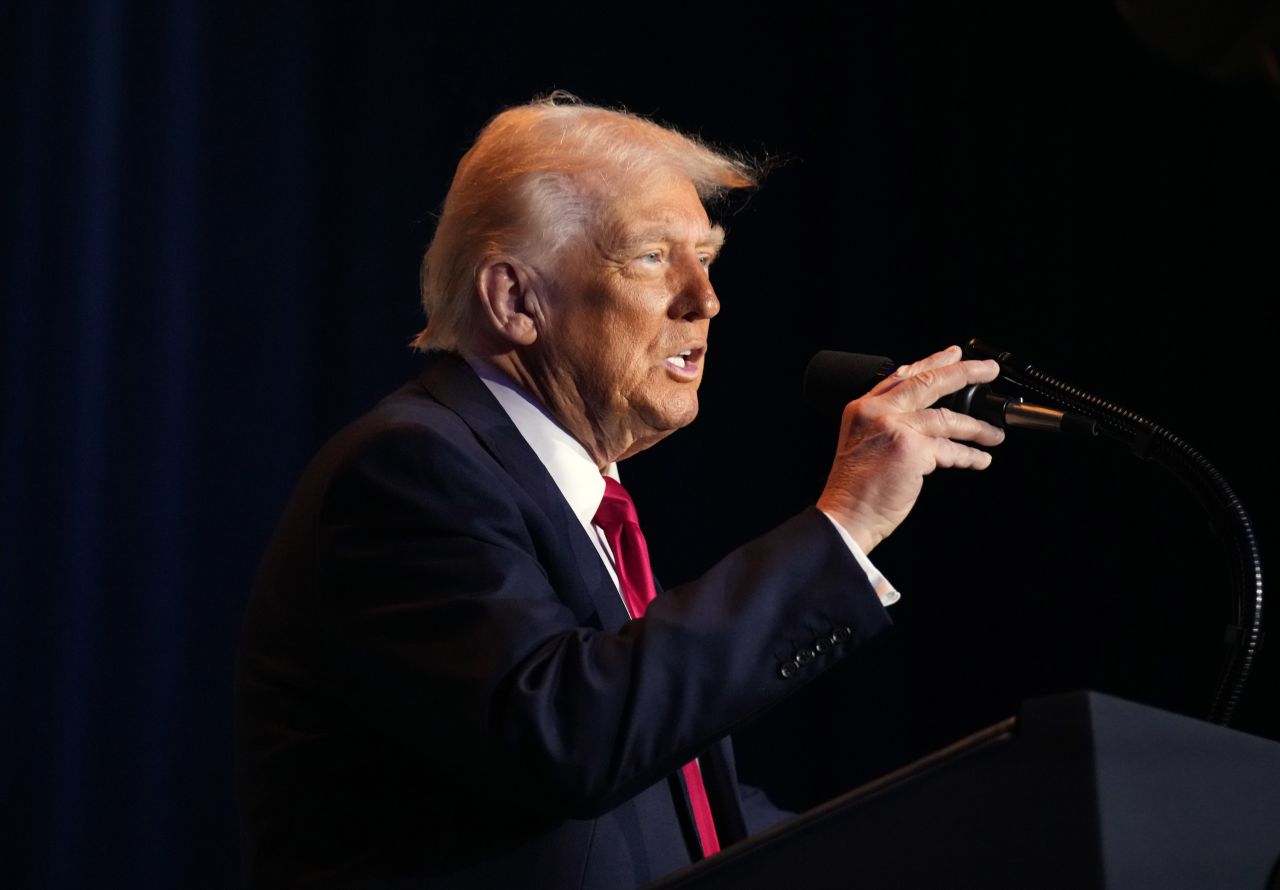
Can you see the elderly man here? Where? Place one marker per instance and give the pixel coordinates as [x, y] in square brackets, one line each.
[454, 672]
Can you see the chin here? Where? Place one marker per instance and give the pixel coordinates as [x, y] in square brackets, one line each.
[678, 414]
[662, 418]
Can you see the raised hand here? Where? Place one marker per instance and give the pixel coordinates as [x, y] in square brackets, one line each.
[891, 438]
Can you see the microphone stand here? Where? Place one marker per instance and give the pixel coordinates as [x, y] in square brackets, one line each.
[1150, 441]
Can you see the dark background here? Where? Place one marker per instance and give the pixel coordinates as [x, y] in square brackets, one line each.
[212, 219]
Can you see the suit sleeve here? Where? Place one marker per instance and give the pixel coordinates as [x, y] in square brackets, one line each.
[447, 633]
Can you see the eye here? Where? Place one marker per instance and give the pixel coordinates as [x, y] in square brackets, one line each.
[652, 256]
[705, 260]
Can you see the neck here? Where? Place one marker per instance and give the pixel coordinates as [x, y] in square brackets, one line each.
[560, 397]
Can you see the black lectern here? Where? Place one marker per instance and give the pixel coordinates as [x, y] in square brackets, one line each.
[1079, 791]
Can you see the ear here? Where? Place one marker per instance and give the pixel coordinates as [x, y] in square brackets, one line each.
[509, 300]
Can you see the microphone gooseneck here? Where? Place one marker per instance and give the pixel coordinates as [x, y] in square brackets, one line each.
[1231, 522]
[833, 379]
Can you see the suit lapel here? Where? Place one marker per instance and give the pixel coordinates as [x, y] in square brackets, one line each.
[452, 382]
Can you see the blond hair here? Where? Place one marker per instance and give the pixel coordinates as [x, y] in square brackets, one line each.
[534, 179]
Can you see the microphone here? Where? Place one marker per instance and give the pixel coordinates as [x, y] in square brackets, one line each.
[833, 379]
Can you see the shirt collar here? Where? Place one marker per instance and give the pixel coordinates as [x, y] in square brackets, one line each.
[570, 466]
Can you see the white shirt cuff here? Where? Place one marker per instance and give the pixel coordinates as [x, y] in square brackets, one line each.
[879, 583]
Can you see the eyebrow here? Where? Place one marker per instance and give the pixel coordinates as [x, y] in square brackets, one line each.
[713, 239]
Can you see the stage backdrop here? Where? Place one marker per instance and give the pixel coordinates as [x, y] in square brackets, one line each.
[212, 219]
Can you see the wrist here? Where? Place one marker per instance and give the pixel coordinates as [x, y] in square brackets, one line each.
[855, 526]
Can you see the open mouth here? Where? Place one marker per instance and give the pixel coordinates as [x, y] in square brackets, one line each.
[686, 361]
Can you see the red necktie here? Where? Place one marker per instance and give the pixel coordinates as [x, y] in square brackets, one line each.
[617, 518]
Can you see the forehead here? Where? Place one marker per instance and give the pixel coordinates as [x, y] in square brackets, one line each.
[656, 210]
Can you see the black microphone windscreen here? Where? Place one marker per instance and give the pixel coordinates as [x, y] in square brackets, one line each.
[833, 379]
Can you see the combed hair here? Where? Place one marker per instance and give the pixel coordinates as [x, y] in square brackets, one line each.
[536, 176]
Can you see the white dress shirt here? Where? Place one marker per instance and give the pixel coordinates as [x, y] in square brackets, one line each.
[579, 480]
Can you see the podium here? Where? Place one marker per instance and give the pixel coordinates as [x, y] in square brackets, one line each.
[1078, 791]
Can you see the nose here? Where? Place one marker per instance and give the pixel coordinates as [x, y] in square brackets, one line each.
[695, 299]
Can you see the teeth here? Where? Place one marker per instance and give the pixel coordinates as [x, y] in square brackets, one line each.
[677, 360]
[687, 352]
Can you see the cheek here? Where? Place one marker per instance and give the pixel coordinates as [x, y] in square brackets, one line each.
[625, 345]
[614, 338]
[604, 361]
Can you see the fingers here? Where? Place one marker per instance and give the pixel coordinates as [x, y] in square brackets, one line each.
[936, 376]
[947, 424]
[959, 456]
[921, 389]
[942, 358]
[939, 359]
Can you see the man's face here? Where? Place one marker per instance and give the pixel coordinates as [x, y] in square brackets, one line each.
[628, 315]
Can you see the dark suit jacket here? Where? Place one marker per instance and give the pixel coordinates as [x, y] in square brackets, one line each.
[439, 687]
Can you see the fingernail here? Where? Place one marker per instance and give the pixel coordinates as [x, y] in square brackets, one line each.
[901, 372]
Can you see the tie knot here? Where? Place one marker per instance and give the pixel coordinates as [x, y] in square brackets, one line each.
[616, 507]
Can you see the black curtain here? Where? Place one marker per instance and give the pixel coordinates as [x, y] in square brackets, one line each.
[212, 219]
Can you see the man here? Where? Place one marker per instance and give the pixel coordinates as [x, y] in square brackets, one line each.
[445, 676]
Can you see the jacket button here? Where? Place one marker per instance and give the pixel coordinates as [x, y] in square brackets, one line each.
[821, 645]
[804, 656]
[841, 633]
[788, 669]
